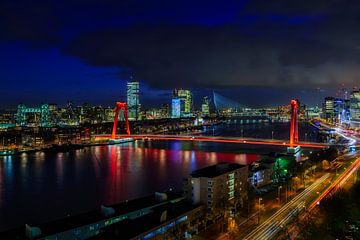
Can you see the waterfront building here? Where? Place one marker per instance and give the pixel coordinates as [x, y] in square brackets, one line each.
[133, 104]
[205, 107]
[36, 116]
[355, 106]
[218, 187]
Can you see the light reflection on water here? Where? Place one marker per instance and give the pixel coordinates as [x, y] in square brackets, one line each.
[40, 186]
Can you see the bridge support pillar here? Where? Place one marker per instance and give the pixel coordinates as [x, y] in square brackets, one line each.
[120, 106]
[294, 132]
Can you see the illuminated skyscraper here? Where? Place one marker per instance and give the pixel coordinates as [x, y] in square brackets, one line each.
[175, 107]
[133, 105]
[186, 102]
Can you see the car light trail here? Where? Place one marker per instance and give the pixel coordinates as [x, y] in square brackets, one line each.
[273, 224]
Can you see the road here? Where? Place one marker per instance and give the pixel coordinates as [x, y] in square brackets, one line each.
[339, 182]
[270, 227]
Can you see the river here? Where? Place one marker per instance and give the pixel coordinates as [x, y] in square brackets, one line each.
[40, 186]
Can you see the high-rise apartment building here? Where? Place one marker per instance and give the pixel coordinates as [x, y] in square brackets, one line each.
[133, 104]
[219, 186]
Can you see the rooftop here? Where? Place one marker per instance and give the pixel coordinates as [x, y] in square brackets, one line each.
[79, 220]
[132, 228]
[216, 170]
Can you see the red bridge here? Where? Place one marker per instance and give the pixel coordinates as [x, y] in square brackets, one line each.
[293, 142]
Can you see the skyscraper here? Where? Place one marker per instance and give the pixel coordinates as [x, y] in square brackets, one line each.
[186, 102]
[175, 107]
[133, 105]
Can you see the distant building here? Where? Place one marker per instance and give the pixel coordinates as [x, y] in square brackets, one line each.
[219, 187]
[133, 104]
[335, 109]
[36, 116]
[157, 113]
[205, 107]
[313, 112]
[7, 117]
[328, 109]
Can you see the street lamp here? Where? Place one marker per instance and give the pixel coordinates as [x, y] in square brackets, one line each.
[260, 199]
[279, 188]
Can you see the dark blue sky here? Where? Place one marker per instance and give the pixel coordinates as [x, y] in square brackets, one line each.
[259, 52]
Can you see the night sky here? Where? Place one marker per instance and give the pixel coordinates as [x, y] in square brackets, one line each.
[260, 52]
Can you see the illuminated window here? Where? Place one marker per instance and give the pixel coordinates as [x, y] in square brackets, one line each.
[231, 182]
[231, 195]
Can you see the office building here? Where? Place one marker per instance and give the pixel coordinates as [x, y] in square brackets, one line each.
[218, 187]
[133, 104]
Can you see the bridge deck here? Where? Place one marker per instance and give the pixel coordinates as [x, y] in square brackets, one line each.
[253, 141]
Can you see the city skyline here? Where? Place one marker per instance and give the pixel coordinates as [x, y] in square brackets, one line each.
[209, 120]
[256, 48]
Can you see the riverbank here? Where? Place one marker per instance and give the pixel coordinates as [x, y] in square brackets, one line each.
[55, 148]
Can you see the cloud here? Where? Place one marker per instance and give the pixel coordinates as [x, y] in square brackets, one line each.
[193, 56]
[212, 44]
